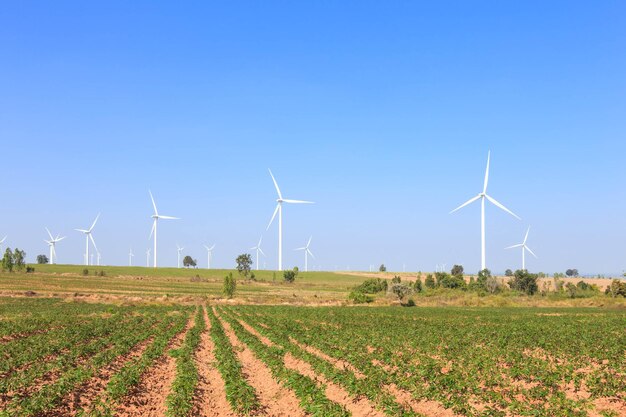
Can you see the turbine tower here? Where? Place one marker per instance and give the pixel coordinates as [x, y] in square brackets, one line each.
[88, 236]
[148, 258]
[307, 252]
[279, 210]
[258, 249]
[156, 216]
[178, 250]
[51, 243]
[482, 196]
[209, 254]
[524, 249]
[130, 257]
[1, 242]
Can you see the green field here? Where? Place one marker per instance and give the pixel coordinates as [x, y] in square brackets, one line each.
[65, 357]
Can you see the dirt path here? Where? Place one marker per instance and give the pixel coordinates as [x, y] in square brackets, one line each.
[148, 399]
[357, 406]
[210, 396]
[275, 399]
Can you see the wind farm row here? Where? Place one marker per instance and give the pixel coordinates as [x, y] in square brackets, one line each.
[152, 253]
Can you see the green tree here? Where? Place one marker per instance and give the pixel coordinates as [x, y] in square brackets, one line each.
[230, 285]
[400, 290]
[42, 259]
[290, 275]
[19, 259]
[524, 281]
[244, 262]
[189, 261]
[382, 268]
[508, 273]
[396, 279]
[7, 260]
[417, 286]
[457, 270]
[429, 282]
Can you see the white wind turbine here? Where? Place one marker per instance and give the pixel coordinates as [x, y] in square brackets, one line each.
[148, 258]
[130, 257]
[209, 255]
[258, 249]
[482, 196]
[307, 252]
[98, 258]
[88, 236]
[51, 243]
[1, 242]
[178, 250]
[524, 249]
[279, 210]
[156, 216]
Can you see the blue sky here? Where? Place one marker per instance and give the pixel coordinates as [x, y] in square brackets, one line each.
[380, 112]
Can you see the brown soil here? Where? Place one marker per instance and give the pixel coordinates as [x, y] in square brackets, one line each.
[275, 399]
[356, 406]
[263, 339]
[338, 363]
[210, 396]
[614, 405]
[148, 399]
[428, 408]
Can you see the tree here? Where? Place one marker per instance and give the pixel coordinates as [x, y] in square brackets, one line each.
[42, 259]
[508, 273]
[616, 289]
[417, 286]
[396, 279]
[571, 272]
[244, 262]
[457, 270]
[19, 259]
[382, 268]
[429, 282]
[290, 275]
[189, 261]
[7, 260]
[230, 285]
[400, 290]
[524, 281]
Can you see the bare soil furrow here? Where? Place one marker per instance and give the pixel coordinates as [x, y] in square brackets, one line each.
[210, 396]
[357, 406]
[338, 363]
[275, 399]
[428, 408]
[148, 398]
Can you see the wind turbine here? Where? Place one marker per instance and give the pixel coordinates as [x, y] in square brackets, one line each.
[524, 249]
[52, 243]
[156, 216]
[209, 251]
[179, 250]
[98, 258]
[88, 236]
[1, 242]
[148, 258]
[258, 249]
[482, 196]
[279, 210]
[130, 257]
[307, 252]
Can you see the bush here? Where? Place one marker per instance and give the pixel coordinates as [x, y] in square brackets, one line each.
[616, 289]
[290, 275]
[42, 259]
[396, 280]
[429, 282]
[252, 276]
[400, 290]
[457, 270]
[85, 272]
[101, 273]
[382, 268]
[571, 289]
[7, 260]
[230, 285]
[417, 285]
[524, 281]
[508, 273]
[30, 269]
[372, 286]
[358, 297]
[445, 280]
[409, 303]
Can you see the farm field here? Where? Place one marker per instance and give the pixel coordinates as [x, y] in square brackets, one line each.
[72, 358]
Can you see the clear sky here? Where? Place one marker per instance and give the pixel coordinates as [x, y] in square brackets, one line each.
[380, 112]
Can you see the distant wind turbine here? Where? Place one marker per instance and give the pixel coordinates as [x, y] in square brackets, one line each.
[88, 236]
[1, 242]
[307, 252]
[258, 249]
[51, 243]
[130, 257]
[156, 216]
[209, 254]
[482, 196]
[178, 250]
[148, 258]
[98, 259]
[524, 249]
[279, 210]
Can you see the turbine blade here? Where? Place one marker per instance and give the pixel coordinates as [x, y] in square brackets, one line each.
[82, 230]
[94, 242]
[169, 218]
[514, 246]
[49, 234]
[495, 202]
[487, 172]
[531, 252]
[153, 226]
[3, 239]
[94, 222]
[153, 203]
[273, 216]
[309, 242]
[470, 201]
[298, 202]
[280, 196]
[261, 250]
[526, 238]
[212, 247]
[299, 248]
[259, 244]
[310, 253]
[60, 238]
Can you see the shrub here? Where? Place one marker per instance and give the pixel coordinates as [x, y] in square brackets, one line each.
[571, 289]
[382, 268]
[508, 273]
[450, 281]
[7, 260]
[101, 273]
[400, 290]
[409, 303]
[524, 281]
[290, 275]
[19, 259]
[252, 276]
[358, 297]
[230, 285]
[417, 286]
[616, 289]
[85, 271]
[372, 286]
[429, 282]
[30, 269]
[42, 259]
[396, 280]
[457, 270]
